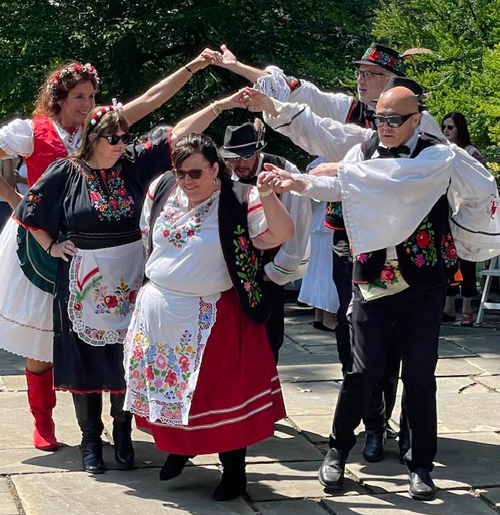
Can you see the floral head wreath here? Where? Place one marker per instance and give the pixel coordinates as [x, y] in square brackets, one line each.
[97, 116]
[77, 71]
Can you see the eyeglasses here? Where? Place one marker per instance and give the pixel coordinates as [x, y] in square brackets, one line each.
[447, 127]
[244, 157]
[115, 139]
[194, 174]
[394, 121]
[366, 74]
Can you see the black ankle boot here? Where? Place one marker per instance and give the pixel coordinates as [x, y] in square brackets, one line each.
[234, 478]
[331, 472]
[88, 413]
[373, 449]
[92, 456]
[173, 466]
[122, 433]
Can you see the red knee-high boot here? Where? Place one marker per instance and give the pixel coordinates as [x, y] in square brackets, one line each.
[42, 400]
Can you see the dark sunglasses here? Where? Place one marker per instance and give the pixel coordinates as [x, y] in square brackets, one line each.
[194, 174]
[394, 121]
[115, 139]
[245, 157]
[447, 127]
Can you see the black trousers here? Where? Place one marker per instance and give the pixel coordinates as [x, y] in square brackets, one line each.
[383, 397]
[275, 326]
[417, 314]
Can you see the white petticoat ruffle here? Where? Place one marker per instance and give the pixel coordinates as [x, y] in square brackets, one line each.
[26, 312]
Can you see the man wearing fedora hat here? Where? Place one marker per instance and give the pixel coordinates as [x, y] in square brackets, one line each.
[243, 153]
[378, 65]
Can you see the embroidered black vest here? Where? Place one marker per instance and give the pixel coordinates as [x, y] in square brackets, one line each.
[242, 259]
[428, 258]
[360, 115]
[280, 162]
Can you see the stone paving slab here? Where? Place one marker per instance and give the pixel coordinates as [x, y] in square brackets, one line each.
[318, 372]
[492, 496]
[305, 334]
[311, 398]
[450, 349]
[291, 508]
[17, 428]
[491, 382]
[119, 493]
[10, 364]
[458, 502]
[490, 366]
[459, 367]
[7, 504]
[14, 383]
[275, 481]
[463, 460]
[482, 345]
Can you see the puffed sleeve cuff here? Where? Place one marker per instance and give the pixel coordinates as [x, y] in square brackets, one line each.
[16, 138]
[287, 112]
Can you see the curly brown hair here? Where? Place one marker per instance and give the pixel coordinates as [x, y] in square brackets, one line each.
[58, 84]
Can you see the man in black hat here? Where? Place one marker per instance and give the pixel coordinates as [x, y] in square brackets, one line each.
[375, 69]
[243, 153]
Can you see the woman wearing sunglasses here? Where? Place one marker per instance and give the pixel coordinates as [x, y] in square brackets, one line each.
[64, 101]
[454, 127]
[200, 372]
[94, 200]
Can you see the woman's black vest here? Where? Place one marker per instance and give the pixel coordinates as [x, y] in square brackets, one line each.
[427, 258]
[360, 115]
[242, 259]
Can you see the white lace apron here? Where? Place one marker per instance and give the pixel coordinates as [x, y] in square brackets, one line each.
[176, 311]
[103, 286]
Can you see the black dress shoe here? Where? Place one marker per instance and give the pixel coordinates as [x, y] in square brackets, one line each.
[232, 485]
[421, 488]
[331, 472]
[173, 466]
[373, 449]
[404, 445]
[92, 457]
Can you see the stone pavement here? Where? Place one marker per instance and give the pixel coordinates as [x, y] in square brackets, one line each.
[282, 471]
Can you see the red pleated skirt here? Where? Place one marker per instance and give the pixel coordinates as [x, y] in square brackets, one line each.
[238, 396]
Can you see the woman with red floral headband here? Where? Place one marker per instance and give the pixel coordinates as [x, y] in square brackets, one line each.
[26, 286]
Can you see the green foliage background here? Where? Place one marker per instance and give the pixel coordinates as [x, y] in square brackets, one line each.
[135, 43]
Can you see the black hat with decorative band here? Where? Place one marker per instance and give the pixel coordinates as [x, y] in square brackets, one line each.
[243, 140]
[388, 58]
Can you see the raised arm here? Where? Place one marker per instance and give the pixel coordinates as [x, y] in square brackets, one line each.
[226, 59]
[164, 90]
[199, 122]
[318, 136]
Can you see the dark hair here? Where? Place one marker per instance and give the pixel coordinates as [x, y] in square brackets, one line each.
[58, 84]
[463, 136]
[197, 144]
[108, 123]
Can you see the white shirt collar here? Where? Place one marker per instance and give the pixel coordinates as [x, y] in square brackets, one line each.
[411, 144]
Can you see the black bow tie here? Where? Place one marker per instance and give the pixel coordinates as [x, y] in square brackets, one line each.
[385, 152]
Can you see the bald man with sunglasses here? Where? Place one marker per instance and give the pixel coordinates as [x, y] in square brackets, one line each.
[409, 213]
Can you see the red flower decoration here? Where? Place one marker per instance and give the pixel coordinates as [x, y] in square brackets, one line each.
[111, 301]
[423, 239]
[132, 296]
[452, 252]
[149, 372]
[243, 242]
